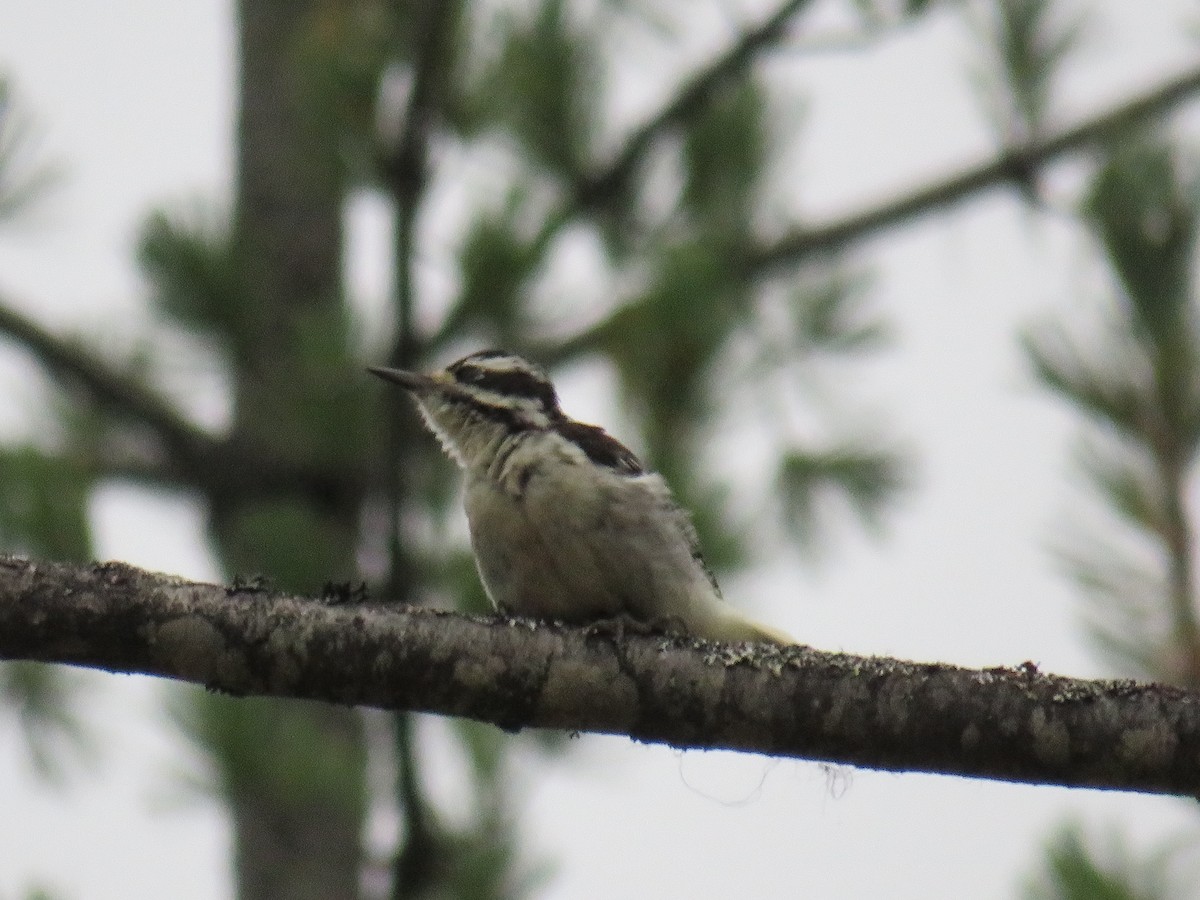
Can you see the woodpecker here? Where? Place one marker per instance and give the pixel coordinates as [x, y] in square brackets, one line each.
[565, 522]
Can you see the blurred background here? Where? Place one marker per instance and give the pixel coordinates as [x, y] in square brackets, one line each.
[900, 297]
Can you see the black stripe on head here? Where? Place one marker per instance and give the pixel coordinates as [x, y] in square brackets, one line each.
[518, 379]
[509, 418]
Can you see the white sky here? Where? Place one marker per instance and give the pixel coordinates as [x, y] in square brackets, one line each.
[135, 99]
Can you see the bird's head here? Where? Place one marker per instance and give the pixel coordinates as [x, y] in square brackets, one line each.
[477, 401]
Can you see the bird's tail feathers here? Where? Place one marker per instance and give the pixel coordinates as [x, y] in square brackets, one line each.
[727, 624]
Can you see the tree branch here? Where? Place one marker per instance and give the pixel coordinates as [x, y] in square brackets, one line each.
[692, 95]
[194, 457]
[1007, 724]
[1014, 164]
[72, 364]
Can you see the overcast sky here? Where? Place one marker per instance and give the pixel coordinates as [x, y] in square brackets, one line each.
[135, 100]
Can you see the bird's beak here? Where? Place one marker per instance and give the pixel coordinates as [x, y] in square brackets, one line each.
[416, 382]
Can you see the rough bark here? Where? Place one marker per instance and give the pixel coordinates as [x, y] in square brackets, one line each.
[1008, 724]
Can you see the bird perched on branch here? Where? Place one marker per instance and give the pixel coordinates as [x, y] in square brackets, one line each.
[565, 522]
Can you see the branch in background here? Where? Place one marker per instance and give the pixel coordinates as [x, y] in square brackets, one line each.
[403, 167]
[23, 179]
[1006, 724]
[593, 189]
[1014, 165]
[403, 172]
[196, 459]
[126, 397]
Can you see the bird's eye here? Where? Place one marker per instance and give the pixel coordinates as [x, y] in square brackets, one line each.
[471, 374]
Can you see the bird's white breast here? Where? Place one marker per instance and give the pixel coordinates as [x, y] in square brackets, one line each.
[557, 537]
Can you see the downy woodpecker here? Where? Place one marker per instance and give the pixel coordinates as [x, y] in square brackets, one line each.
[565, 523]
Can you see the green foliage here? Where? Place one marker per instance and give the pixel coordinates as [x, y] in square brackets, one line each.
[322, 766]
[497, 261]
[43, 512]
[541, 89]
[1128, 483]
[486, 748]
[1073, 871]
[1137, 377]
[724, 154]
[1109, 384]
[344, 47]
[819, 320]
[723, 547]
[1027, 43]
[323, 396]
[1126, 588]
[665, 342]
[830, 314]
[486, 852]
[286, 539]
[1134, 372]
[45, 700]
[1144, 213]
[881, 13]
[867, 479]
[188, 261]
[481, 861]
[456, 575]
[43, 504]
[22, 181]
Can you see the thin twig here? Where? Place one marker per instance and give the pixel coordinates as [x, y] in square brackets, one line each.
[594, 188]
[1014, 165]
[72, 364]
[194, 458]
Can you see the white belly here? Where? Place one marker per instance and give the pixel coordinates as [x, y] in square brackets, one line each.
[555, 545]
[536, 570]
